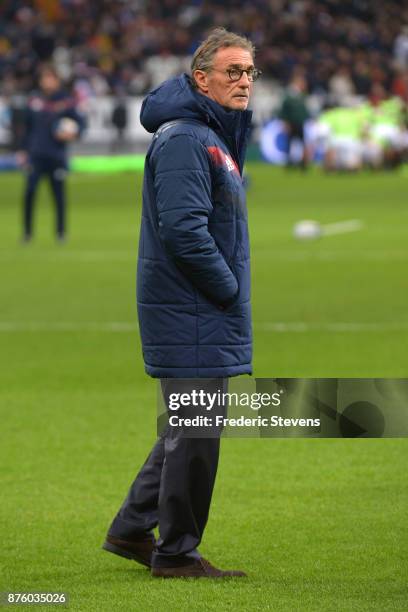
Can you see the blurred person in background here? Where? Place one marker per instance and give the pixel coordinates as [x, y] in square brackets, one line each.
[370, 135]
[14, 113]
[401, 48]
[119, 119]
[387, 120]
[341, 87]
[51, 122]
[400, 85]
[345, 128]
[294, 114]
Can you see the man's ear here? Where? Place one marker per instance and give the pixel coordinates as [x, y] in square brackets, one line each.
[201, 79]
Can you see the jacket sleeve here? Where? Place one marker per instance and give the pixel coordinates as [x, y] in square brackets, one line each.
[26, 127]
[80, 119]
[182, 183]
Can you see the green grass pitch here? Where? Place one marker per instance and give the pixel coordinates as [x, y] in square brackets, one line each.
[317, 524]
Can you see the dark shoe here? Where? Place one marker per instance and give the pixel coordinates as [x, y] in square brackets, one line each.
[200, 568]
[140, 551]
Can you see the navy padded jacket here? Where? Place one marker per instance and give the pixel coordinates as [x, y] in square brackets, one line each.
[193, 281]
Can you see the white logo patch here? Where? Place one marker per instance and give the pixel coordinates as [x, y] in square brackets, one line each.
[230, 164]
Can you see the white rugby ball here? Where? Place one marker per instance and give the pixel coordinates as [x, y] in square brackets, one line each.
[307, 230]
[66, 125]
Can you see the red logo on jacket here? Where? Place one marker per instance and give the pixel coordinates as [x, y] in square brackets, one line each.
[222, 159]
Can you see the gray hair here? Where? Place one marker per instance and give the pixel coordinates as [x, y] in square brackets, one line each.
[217, 39]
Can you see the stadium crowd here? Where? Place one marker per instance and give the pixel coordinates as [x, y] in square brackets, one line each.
[343, 48]
[342, 64]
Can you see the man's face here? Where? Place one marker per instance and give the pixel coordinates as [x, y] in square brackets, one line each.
[217, 85]
[49, 83]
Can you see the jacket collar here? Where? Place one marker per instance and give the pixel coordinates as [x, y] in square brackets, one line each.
[233, 126]
[176, 98]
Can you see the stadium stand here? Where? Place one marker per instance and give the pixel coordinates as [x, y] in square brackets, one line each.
[342, 47]
[350, 53]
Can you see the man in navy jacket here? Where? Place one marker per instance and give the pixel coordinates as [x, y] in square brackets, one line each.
[51, 122]
[193, 292]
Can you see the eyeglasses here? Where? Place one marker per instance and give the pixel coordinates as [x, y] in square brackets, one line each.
[235, 74]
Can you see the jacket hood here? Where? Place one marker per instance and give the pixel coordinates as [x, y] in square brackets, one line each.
[176, 98]
[173, 99]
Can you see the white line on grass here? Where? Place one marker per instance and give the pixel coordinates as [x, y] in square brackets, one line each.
[315, 255]
[128, 326]
[62, 326]
[273, 255]
[338, 326]
[84, 256]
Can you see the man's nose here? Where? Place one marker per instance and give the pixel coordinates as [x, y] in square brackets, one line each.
[244, 80]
